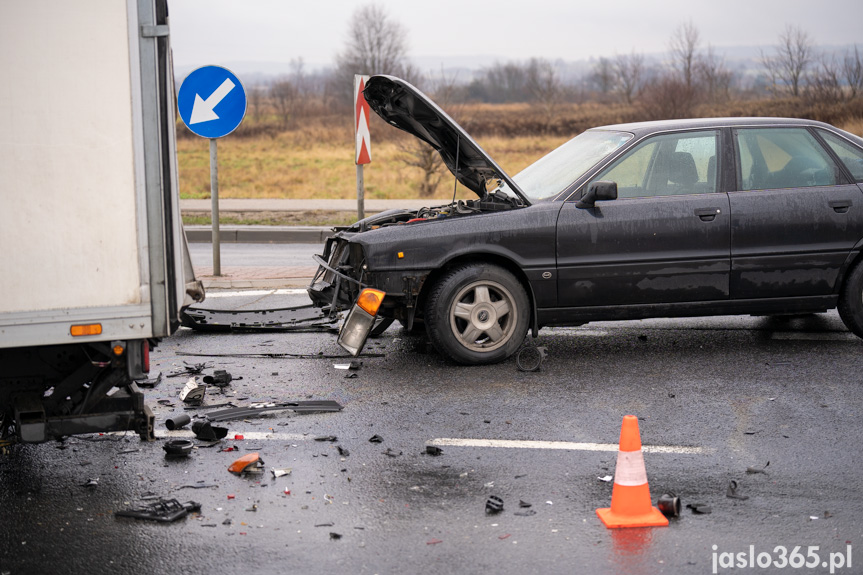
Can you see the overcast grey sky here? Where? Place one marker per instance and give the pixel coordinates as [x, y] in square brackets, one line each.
[224, 31]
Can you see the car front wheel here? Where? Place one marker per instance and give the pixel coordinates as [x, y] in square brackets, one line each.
[851, 300]
[477, 314]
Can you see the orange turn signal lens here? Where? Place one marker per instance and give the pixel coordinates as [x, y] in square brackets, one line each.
[118, 350]
[370, 300]
[88, 329]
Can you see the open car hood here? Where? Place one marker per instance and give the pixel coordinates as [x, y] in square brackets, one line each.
[405, 107]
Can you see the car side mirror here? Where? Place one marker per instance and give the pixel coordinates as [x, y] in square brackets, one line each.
[597, 191]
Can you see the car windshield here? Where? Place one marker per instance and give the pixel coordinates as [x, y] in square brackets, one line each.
[552, 173]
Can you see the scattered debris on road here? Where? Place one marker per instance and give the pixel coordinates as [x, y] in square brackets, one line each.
[530, 358]
[754, 469]
[732, 492]
[247, 464]
[193, 392]
[205, 431]
[177, 421]
[376, 439]
[493, 505]
[151, 382]
[178, 447]
[700, 508]
[220, 378]
[163, 510]
[669, 504]
[255, 410]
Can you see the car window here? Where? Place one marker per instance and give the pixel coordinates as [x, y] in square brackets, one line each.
[774, 158]
[666, 165]
[851, 156]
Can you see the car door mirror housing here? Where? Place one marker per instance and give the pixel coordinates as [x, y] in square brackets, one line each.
[597, 191]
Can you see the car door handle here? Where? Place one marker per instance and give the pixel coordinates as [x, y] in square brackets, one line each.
[841, 206]
[707, 214]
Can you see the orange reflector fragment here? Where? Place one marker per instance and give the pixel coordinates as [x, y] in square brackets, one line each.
[370, 300]
[245, 461]
[401, 255]
[88, 329]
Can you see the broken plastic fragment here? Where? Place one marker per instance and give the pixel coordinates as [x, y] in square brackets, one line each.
[331, 438]
[178, 447]
[524, 504]
[433, 542]
[732, 492]
[342, 451]
[376, 439]
[193, 392]
[177, 421]
[433, 450]
[758, 469]
[250, 463]
[152, 382]
[494, 504]
[280, 472]
[699, 508]
[605, 478]
[335, 536]
[205, 431]
[163, 510]
[220, 378]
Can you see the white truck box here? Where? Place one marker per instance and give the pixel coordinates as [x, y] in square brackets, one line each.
[93, 258]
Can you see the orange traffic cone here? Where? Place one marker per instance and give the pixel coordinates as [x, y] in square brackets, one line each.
[630, 497]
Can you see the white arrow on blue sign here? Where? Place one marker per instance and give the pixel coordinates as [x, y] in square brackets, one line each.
[212, 102]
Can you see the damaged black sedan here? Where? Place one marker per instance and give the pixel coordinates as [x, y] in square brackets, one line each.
[655, 219]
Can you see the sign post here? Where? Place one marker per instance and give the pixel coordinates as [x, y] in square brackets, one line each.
[363, 153]
[212, 103]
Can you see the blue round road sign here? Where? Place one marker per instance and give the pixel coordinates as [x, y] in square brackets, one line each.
[212, 102]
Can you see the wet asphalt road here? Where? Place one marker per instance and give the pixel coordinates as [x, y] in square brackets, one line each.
[740, 391]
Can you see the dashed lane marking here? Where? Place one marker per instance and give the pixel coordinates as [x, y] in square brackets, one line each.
[568, 445]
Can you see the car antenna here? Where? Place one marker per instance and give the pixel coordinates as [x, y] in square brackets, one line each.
[455, 185]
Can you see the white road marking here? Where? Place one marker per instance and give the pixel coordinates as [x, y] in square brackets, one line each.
[823, 336]
[247, 435]
[259, 292]
[569, 445]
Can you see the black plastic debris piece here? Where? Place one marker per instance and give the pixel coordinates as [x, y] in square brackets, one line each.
[200, 485]
[700, 508]
[342, 451]
[178, 447]
[732, 492]
[151, 382]
[753, 469]
[228, 521]
[163, 510]
[331, 438]
[524, 504]
[256, 410]
[391, 453]
[335, 536]
[669, 505]
[642, 337]
[328, 524]
[220, 378]
[189, 369]
[433, 450]
[91, 483]
[376, 439]
[205, 431]
[351, 376]
[177, 421]
[530, 358]
[494, 504]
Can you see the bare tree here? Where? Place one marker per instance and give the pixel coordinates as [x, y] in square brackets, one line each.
[376, 44]
[628, 71]
[284, 96]
[417, 154]
[852, 70]
[684, 51]
[257, 101]
[715, 76]
[544, 87]
[602, 75]
[793, 56]
[825, 83]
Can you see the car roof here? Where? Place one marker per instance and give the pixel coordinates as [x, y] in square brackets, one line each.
[643, 128]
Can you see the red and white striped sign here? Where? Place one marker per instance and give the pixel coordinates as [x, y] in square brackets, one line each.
[361, 122]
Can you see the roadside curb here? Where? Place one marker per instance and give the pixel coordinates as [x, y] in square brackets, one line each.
[260, 234]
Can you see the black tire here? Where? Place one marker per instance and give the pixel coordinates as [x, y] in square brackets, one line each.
[851, 300]
[477, 314]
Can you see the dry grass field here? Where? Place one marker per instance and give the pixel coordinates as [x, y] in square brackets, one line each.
[313, 158]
